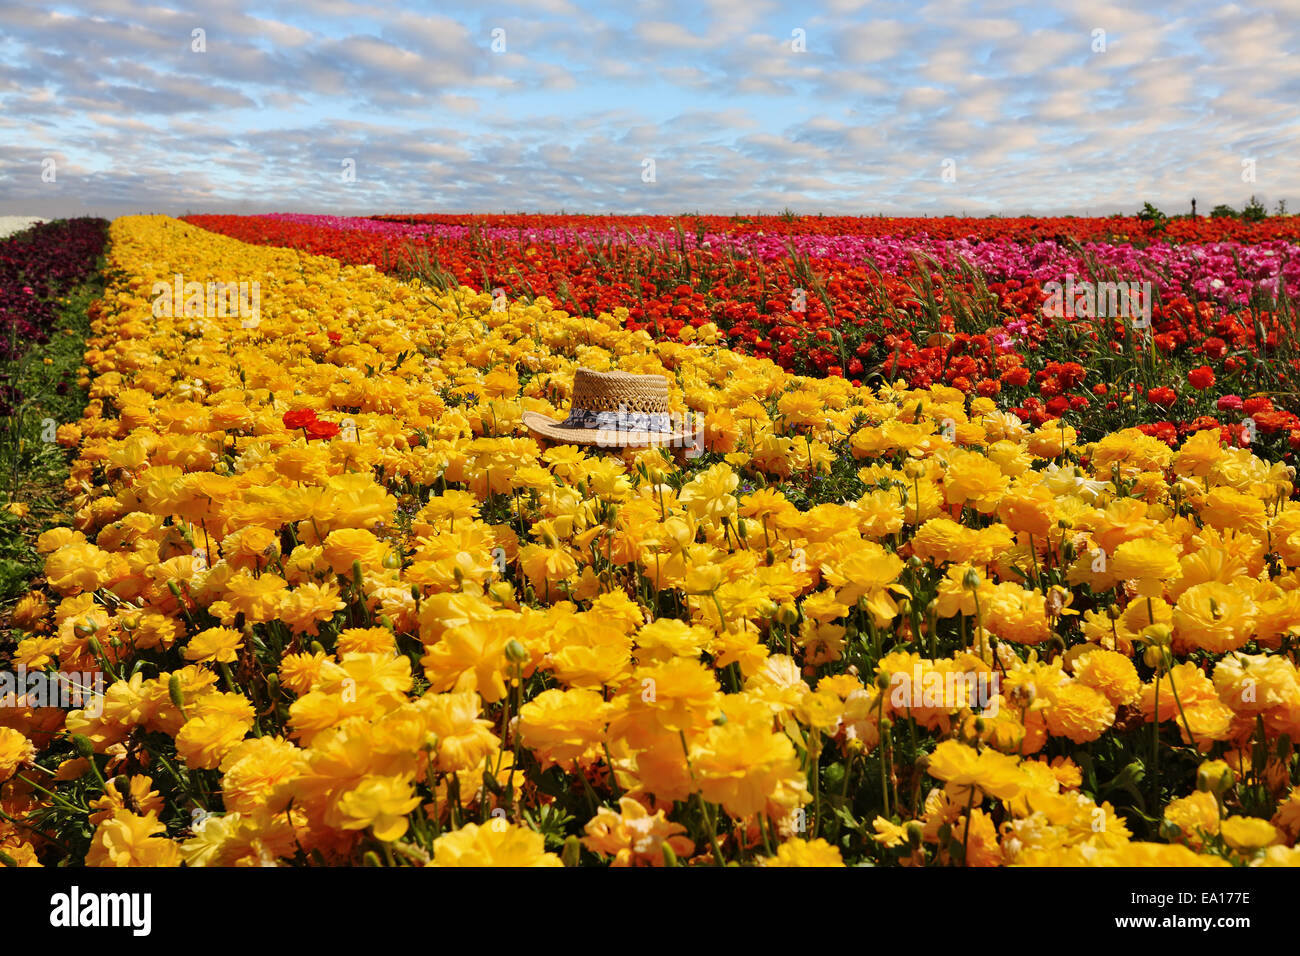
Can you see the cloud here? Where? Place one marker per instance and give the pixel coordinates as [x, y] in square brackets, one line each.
[735, 116]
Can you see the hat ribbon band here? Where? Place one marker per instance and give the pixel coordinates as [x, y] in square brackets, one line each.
[621, 420]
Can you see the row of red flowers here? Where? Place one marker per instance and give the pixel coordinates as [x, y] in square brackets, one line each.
[1015, 228]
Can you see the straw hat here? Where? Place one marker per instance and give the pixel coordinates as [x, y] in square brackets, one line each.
[615, 410]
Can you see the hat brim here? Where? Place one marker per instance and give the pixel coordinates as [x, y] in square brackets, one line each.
[552, 430]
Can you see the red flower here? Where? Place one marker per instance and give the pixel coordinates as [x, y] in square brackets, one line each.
[335, 337]
[1201, 378]
[1162, 396]
[319, 429]
[1256, 404]
[1165, 431]
[299, 419]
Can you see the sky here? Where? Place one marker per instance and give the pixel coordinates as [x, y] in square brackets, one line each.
[850, 107]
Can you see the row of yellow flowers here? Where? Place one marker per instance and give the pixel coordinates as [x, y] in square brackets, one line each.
[350, 612]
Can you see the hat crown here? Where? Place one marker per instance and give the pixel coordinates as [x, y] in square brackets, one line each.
[619, 391]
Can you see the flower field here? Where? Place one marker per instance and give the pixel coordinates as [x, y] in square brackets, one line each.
[960, 303]
[954, 582]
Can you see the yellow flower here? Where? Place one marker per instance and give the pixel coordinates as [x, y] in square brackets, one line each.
[498, 843]
[709, 494]
[1196, 816]
[635, 836]
[16, 751]
[746, 767]
[347, 546]
[973, 479]
[217, 724]
[127, 839]
[257, 598]
[564, 726]
[807, 853]
[962, 768]
[215, 645]
[380, 803]
[308, 605]
[1214, 617]
[1109, 672]
[464, 738]
[1150, 563]
[74, 568]
[1248, 834]
[472, 657]
[677, 694]
[1079, 712]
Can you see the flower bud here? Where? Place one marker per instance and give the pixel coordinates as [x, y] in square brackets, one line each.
[1159, 635]
[915, 833]
[572, 851]
[516, 653]
[1215, 776]
[176, 693]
